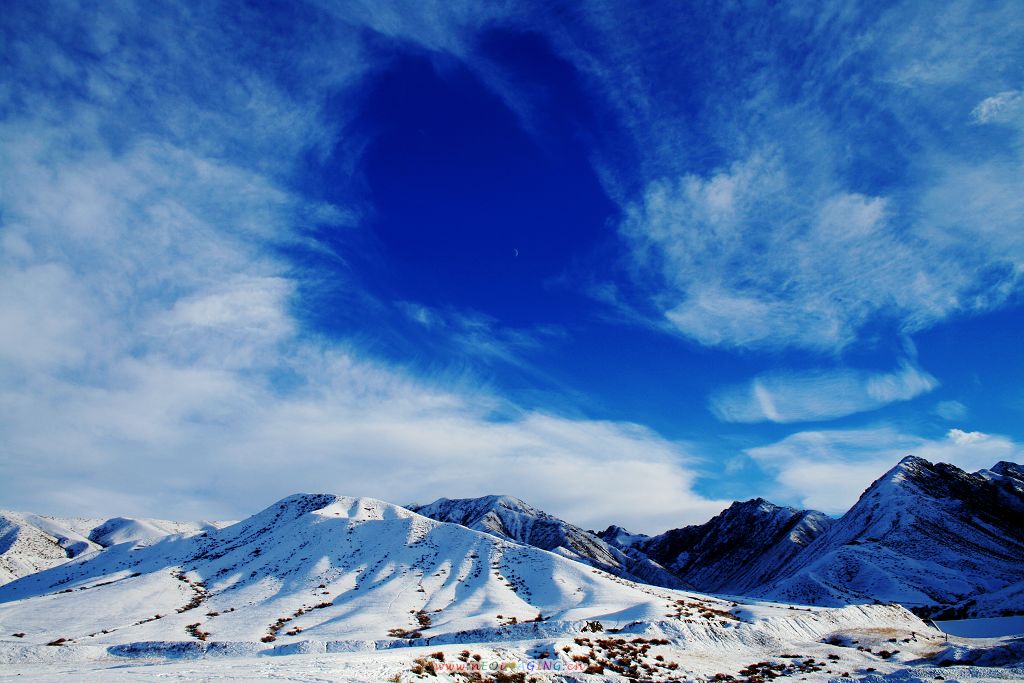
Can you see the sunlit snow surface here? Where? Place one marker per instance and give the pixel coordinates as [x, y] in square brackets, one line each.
[323, 586]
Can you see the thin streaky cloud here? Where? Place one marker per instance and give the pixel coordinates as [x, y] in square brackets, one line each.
[819, 395]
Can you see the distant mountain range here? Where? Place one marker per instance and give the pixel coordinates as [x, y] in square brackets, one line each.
[941, 541]
[326, 574]
[321, 573]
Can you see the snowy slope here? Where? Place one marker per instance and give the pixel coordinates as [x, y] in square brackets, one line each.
[333, 580]
[512, 519]
[332, 568]
[739, 550]
[30, 543]
[378, 564]
[923, 535]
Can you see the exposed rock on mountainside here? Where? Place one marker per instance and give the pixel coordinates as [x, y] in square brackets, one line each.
[739, 550]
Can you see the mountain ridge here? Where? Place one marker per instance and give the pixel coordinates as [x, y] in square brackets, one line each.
[737, 550]
[319, 574]
[931, 536]
[338, 567]
[511, 518]
[759, 549]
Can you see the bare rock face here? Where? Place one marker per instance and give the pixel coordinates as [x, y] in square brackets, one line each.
[738, 551]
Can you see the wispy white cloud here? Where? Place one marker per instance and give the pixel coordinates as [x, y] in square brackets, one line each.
[960, 437]
[828, 470]
[1005, 106]
[480, 336]
[817, 395]
[913, 41]
[751, 257]
[204, 439]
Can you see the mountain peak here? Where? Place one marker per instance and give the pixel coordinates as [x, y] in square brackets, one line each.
[911, 469]
[478, 505]
[912, 462]
[305, 502]
[620, 537]
[506, 501]
[1009, 469]
[757, 505]
[959, 532]
[295, 506]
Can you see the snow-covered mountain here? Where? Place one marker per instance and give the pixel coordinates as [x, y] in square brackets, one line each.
[30, 543]
[327, 566]
[739, 550]
[320, 573]
[512, 519]
[1008, 473]
[928, 536]
[924, 535]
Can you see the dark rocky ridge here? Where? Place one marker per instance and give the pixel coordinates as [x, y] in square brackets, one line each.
[740, 549]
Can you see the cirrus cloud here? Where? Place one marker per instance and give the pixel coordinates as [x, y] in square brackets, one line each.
[819, 395]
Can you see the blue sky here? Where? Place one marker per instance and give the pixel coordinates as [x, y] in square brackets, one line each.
[627, 261]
